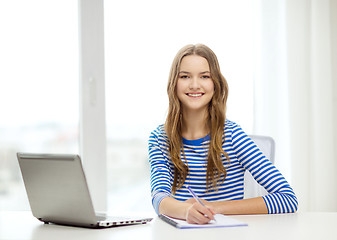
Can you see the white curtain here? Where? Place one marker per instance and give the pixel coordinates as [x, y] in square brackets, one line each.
[296, 94]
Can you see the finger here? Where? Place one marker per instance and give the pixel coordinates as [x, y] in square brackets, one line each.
[211, 209]
[195, 216]
[206, 211]
[198, 219]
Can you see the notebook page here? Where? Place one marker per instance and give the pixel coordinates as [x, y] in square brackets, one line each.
[221, 221]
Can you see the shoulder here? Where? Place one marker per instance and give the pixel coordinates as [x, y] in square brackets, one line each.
[159, 134]
[159, 131]
[231, 126]
[233, 132]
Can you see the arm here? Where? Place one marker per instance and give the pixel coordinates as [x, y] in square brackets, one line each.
[191, 211]
[281, 197]
[161, 183]
[161, 176]
[245, 206]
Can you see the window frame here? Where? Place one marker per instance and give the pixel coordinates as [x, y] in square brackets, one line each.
[92, 125]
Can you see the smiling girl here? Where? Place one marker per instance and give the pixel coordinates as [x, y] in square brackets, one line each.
[199, 147]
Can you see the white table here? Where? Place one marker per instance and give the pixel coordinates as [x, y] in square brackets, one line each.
[318, 226]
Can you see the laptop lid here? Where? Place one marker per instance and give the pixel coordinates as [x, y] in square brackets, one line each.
[57, 188]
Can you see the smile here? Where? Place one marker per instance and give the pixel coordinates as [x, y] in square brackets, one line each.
[194, 94]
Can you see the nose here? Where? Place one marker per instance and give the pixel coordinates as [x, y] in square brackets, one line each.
[194, 83]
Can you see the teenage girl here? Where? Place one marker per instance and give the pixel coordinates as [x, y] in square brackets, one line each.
[199, 147]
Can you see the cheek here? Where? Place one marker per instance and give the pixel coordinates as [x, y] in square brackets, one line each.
[180, 88]
[211, 88]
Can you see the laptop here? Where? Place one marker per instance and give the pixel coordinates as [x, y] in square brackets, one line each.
[58, 192]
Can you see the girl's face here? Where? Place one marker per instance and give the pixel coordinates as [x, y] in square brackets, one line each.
[195, 88]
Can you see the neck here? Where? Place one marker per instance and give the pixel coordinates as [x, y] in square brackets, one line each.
[195, 124]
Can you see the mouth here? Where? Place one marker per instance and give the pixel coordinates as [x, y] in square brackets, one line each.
[195, 95]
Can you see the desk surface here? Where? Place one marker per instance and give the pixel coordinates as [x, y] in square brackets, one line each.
[22, 225]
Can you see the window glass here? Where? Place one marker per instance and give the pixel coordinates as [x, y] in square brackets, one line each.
[39, 87]
[141, 40]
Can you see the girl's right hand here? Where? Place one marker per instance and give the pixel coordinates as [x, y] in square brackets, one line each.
[198, 214]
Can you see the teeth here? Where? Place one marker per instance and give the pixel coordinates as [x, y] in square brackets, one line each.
[195, 94]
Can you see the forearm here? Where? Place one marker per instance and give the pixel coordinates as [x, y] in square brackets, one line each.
[244, 206]
[191, 211]
[174, 208]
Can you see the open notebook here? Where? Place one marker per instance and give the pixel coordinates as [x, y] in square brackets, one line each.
[221, 221]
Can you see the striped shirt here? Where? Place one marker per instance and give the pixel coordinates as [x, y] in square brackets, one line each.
[244, 155]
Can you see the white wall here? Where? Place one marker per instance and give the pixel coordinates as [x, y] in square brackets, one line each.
[297, 100]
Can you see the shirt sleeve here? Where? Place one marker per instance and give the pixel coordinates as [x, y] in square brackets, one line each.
[281, 197]
[160, 172]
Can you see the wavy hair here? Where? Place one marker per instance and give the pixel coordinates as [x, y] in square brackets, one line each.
[216, 172]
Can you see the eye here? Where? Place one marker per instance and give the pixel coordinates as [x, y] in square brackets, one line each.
[183, 76]
[205, 76]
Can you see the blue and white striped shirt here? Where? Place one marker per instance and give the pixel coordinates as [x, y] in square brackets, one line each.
[243, 154]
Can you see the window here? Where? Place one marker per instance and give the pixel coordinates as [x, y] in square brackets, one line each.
[40, 82]
[141, 40]
[39, 87]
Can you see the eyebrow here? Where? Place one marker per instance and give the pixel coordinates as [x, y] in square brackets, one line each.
[199, 73]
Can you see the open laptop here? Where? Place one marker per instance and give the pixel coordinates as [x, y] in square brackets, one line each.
[58, 192]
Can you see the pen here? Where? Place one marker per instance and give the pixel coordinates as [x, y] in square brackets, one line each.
[195, 196]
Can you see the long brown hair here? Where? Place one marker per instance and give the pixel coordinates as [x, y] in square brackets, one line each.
[216, 119]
